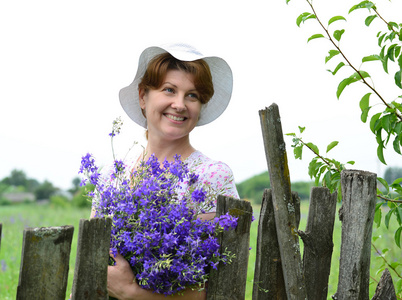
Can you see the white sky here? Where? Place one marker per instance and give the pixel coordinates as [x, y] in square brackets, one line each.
[62, 64]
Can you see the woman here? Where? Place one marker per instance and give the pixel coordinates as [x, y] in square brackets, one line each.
[175, 89]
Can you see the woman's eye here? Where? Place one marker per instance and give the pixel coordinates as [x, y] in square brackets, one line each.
[193, 95]
[169, 90]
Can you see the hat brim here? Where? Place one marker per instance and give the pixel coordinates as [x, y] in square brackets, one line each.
[222, 80]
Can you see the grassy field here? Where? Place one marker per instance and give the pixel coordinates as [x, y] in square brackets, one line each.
[16, 218]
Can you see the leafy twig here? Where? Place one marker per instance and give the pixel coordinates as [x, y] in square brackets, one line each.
[349, 63]
[385, 260]
[388, 199]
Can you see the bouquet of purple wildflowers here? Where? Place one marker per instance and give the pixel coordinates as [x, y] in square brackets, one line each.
[157, 231]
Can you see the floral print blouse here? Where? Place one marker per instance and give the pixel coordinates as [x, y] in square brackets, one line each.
[215, 175]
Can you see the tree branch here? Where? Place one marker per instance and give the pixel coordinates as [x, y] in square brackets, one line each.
[346, 59]
[388, 199]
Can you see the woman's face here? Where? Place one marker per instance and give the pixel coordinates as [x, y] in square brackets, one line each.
[172, 110]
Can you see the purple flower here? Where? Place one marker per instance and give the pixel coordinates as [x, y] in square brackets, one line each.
[167, 246]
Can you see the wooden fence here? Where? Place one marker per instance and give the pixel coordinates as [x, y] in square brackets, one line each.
[280, 271]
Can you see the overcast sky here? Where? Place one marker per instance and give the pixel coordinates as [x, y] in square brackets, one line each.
[62, 64]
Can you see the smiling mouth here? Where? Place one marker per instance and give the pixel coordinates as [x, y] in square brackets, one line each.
[174, 118]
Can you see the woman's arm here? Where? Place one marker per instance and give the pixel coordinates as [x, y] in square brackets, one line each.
[122, 285]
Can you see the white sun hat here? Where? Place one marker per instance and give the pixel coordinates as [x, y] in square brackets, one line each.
[222, 80]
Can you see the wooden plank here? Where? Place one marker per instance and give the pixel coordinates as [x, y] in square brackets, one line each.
[318, 242]
[44, 263]
[90, 274]
[268, 277]
[385, 289]
[285, 217]
[229, 281]
[357, 216]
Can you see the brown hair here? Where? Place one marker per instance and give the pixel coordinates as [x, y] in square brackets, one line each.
[161, 64]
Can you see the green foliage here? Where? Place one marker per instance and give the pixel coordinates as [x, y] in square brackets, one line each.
[253, 188]
[323, 170]
[16, 178]
[80, 198]
[45, 190]
[385, 125]
[60, 201]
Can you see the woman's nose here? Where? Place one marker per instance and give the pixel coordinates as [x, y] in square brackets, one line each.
[178, 103]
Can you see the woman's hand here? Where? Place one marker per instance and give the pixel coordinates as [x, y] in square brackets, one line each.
[121, 283]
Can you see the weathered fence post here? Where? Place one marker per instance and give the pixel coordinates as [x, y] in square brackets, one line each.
[44, 263]
[284, 211]
[268, 277]
[318, 242]
[229, 281]
[357, 216]
[90, 275]
[385, 289]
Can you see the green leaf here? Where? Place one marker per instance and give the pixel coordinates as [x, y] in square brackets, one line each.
[371, 58]
[340, 65]
[351, 162]
[303, 17]
[384, 183]
[380, 154]
[334, 19]
[397, 181]
[386, 123]
[332, 145]
[400, 61]
[338, 34]
[378, 214]
[363, 4]
[390, 52]
[315, 36]
[398, 78]
[313, 147]
[373, 121]
[301, 129]
[396, 144]
[297, 151]
[364, 115]
[327, 180]
[332, 53]
[393, 24]
[397, 51]
[398, 233]
[388, 217]
[353, 78]
[291, 134]
[369, 19]
[364, 102]
[381, 38]
[398, 212]
[384, 59]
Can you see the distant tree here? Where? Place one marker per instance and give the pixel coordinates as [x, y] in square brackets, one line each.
[32, 185]
[16, 178]
[76, 185]
[303, 188]
[252, 189]
[392, 173]
[45, 190]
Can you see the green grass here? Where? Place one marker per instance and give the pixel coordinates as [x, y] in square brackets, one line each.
[16, 218]
[385, 240]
